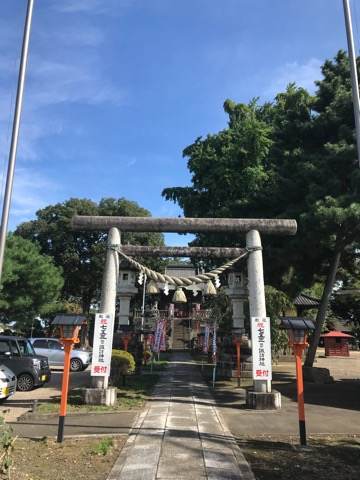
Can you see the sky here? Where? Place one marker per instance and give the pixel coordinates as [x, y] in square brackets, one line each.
[116, 89]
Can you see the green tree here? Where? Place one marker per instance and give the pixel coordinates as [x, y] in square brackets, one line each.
[277, 302]
[345, 303]
[81, 255]
[292, 158]
[31, 282]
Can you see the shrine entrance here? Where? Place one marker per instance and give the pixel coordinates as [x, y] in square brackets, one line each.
[185, 312]
[111, 286]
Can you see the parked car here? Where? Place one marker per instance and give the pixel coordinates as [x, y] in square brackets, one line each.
[18, 354]
[54, 351]
[7, 383]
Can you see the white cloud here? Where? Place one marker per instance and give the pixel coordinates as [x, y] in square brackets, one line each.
[303, 74]
[65, 67]
[7, 64]
[131, 162]
[91, 6]
[32, 191]
[71, 71]
[73, 81]
[87, 36]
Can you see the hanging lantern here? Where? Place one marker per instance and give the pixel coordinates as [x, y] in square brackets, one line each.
[179, 296]
[152, 288]
[210, 289]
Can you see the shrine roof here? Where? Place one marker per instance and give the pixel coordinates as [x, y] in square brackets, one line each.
[303, 300]
[297, 323]
[336, 333]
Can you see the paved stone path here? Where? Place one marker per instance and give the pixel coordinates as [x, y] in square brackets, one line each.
[180, 434]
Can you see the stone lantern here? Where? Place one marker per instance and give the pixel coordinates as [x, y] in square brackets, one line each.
[237, 292]
[126, 290]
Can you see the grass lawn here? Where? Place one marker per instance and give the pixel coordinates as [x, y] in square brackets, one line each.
[80, 459]
[132, 395]
[323, 459]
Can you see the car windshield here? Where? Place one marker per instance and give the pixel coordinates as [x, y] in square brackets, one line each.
[26, 348]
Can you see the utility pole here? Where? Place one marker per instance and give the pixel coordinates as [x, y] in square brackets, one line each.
[353, 72]
[15, 133]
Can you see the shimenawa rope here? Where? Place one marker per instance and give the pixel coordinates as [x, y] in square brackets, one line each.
[178, 281]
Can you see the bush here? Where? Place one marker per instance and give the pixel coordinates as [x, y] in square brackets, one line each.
[6, 447]
[103, 447]
[122, 363]
[147, 355]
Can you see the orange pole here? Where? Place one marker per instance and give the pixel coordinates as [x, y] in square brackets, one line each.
[126, 343]
[298, 349]
[65, 388]
[238, 361]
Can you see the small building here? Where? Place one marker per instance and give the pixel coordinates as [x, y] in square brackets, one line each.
[336, 344]
[305, 302]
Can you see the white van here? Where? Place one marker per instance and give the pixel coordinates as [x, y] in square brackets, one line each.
[7, 382]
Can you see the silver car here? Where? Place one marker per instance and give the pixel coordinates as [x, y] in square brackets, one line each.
[54, 350]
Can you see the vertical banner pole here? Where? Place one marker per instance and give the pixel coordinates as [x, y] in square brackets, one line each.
[214, 352]
[214, 375]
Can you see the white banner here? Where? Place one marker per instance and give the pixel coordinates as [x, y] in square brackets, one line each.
[261, 348]
[102, 345]
[158, 334]
[214, 344]
[163, 338]
[206, 339]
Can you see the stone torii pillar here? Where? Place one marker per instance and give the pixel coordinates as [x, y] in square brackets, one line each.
[101, 393]
[262, 397]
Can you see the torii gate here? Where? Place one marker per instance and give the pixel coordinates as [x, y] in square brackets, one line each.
[252, 227]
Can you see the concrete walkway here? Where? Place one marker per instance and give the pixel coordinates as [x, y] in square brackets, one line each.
[180, 434]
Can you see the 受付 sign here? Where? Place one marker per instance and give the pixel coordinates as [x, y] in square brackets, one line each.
[261, 348]
[102, 346]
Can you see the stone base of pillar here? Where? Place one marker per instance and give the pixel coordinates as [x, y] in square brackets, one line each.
[263, 401]
[100, 396]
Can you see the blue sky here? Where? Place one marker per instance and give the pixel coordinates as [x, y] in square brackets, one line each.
[117, 88]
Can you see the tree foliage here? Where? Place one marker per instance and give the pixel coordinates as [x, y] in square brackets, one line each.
[31, 283]
[277, 302]
[292, 158]
[81, 255]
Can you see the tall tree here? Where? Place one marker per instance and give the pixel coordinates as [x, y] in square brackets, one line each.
[81, 254]
[31, 283]
[294, 158]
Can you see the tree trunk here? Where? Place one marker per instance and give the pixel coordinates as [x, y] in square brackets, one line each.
[321, 314]
[86, 303]
[84, 338]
